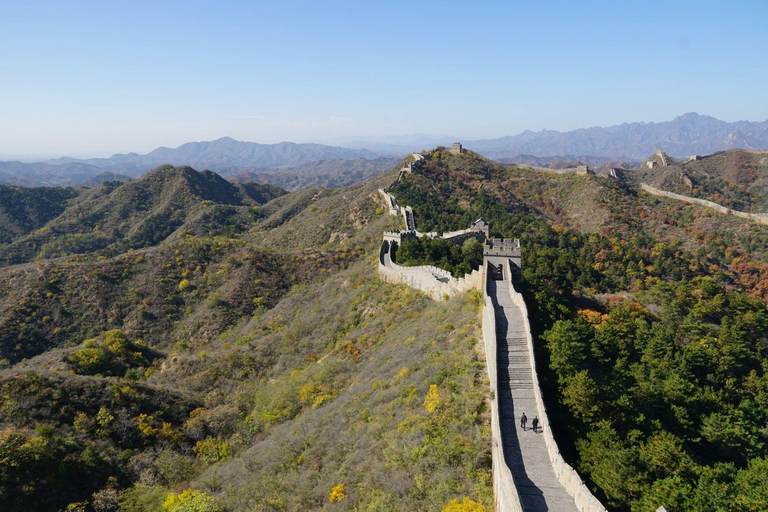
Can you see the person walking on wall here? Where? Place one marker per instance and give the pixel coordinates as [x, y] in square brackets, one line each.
[523, 421]
[535, 424]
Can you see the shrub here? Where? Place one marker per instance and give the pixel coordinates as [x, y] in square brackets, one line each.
[212, 450]
[337, 493]
[432, 400]
[190, 501]
[465, 505]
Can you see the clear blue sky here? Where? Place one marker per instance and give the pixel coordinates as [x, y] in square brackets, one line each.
[96, 77]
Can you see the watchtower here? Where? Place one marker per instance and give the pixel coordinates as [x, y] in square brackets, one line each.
[480, 225]
[504, 258]
[456, 149]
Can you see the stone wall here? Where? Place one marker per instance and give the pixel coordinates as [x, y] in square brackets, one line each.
[504, 489]
[433, 281]
[390, 201]
[758, 217]
[569, 478]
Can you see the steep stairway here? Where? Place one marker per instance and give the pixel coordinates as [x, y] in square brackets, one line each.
[525, 452]
[410, 223]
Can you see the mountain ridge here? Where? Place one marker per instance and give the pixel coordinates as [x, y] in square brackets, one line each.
[687, 134]
[223, 152]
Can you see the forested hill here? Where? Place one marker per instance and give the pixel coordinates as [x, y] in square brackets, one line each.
[180, 340]
[736, 178]
[115, 216]
[649, 316]
[248, 360]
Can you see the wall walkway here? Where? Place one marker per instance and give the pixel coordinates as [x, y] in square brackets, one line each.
[529, 474]
[543, 480]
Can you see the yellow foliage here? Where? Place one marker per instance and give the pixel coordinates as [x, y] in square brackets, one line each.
[184, 284]
[170, 434]
[143, 422]
[322, 400]
[432, 400]
[337, 493]
[212, 450]
[308, 393]
[466, 505]
[592, 317]
[190, 501]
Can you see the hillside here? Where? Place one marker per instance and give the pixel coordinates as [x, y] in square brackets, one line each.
[243, 356]
[640, 312]
[736, 178]
[114, 217]
[333, 173]
[23, 210]
[103, 177]
[246, 352]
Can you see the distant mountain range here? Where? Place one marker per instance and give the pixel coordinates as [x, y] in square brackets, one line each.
[333, 173]
[224, 152]
[689, 134]
[292, 165]
[226, 156]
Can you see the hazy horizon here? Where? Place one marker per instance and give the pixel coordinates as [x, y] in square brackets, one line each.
[98, 79]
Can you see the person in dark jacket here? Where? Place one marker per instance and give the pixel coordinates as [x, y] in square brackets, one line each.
[523, 421]
[535, 423]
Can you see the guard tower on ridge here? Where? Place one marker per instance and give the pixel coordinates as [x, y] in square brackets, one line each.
[504, 258]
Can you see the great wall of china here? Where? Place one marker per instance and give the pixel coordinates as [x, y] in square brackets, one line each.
[529, 474]
[758, 217]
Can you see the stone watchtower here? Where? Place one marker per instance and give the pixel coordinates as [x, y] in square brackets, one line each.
[456, 149]
[481, 226]
[504, 258]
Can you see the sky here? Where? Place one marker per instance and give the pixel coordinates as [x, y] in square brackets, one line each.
[93, 78]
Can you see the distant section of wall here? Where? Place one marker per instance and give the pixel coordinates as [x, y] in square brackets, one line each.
[504, 489]
[391, 202]
[433, 281]
[758, 217]
[569, 478]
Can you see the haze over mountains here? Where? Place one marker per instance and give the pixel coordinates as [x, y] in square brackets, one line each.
[293, 165]
[686, 135]
[225, 152]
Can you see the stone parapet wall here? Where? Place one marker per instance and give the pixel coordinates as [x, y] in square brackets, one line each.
[569, 478]
[433, 281]
[504, 489]
[758, 217]
[391, 202]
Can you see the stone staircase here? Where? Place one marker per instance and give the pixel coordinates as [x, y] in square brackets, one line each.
[525, 452]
